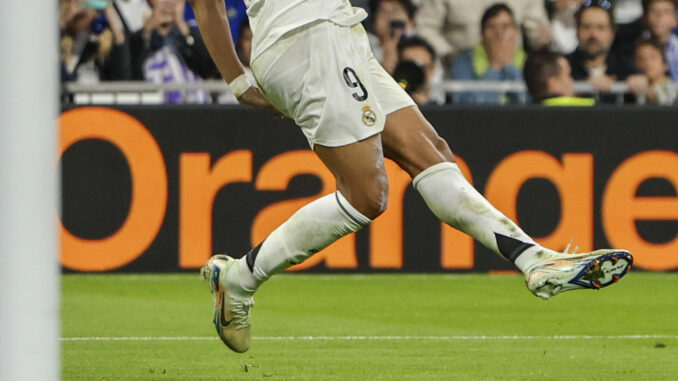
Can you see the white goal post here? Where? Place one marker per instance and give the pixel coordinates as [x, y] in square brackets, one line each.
[29, 271]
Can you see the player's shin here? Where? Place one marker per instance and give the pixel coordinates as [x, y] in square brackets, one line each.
[454, 201]
[309, 230]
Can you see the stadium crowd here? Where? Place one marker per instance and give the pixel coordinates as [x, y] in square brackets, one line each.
[548, 44]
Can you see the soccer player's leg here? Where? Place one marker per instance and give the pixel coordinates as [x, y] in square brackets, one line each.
[362, 191]
[327, 99]
[410, 140]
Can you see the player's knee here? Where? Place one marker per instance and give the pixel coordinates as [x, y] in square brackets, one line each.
[441, 144]
[379, 200]
[373, 200]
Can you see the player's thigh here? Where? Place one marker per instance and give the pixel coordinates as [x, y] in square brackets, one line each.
[319, 76]
[412, 142]
[408, 138]
[359, 170]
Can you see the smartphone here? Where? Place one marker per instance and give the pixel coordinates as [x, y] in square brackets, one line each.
[94, 4]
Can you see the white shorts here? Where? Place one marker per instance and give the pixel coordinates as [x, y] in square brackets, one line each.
[325, 77]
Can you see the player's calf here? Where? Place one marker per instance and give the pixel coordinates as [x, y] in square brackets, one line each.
[547, 272]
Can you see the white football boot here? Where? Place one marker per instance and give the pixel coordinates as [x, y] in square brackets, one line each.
[231, 304]
[569, 271]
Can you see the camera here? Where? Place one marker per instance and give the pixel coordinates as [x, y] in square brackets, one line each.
[395, 25]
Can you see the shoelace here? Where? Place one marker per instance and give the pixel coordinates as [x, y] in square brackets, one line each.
[567, 248]
[241, 312]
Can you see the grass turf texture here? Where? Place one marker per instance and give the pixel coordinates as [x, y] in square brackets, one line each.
[375, 305]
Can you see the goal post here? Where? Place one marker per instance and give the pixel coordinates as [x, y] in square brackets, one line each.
[29, 270]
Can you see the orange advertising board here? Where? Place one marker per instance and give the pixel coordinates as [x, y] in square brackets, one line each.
[221, 180]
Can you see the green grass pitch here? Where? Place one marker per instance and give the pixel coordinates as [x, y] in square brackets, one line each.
[372, 327]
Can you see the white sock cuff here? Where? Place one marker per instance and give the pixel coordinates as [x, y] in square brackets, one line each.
[350, 211]
[432, 170]
[529, 257]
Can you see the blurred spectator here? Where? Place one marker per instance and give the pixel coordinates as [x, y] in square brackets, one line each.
[498, 57]
[629, 25]
[563, 25]
[243, 45]
[452, 26]
[133, 13]
[416, 50]
[660, 19]
[93, 45]
[236, 12]
[549, 80]
[391, 19]
[167, 50]
[624, 11]
[592, 60]
[651, 60]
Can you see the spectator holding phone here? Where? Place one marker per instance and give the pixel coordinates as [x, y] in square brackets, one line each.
[93, 44]
[391, 19]
[418, 69]
[167, 50]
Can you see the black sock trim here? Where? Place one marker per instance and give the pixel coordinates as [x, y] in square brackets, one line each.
[251, 256]
[510, 247]
[357, 221]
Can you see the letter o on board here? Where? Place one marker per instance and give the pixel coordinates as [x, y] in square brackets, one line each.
[149, 188]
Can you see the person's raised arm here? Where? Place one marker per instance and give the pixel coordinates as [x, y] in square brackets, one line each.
[214, 28]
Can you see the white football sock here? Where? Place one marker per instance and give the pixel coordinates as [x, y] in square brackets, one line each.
[454, 201]
[309, 230]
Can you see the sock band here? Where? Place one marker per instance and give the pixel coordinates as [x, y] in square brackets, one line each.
[511, 248]
[251, 256]
[350, 211]
[432, 170]
[311, 229]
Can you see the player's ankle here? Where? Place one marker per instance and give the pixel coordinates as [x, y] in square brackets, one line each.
[247, 282]
[531, 256]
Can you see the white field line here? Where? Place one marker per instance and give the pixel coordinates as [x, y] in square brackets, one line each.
[378, 338]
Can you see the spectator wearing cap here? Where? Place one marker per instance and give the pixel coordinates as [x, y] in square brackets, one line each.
[453, 26]
[651, 60]
[659, 16]
[498, 57]
[548, 79]
[592, 61]
[391, 20]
